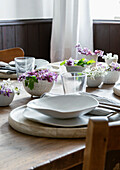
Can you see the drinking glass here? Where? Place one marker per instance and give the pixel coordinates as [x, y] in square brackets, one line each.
[74, 82]
[24, 64]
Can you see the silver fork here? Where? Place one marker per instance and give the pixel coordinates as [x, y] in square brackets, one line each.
[111, 114]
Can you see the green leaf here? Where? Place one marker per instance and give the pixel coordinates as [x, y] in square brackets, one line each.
[63, 63]
[31, 84]
[90, 62]
[16, 88]
[26, 83]
[80, 74]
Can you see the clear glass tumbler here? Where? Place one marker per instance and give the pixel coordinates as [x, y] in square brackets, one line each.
[24, 64]
[74, 82]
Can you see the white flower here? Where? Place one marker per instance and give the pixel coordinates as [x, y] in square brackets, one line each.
[95, 72]
[115, 56]
[109, 56]
[6, 84]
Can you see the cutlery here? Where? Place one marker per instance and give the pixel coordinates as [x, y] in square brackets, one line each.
[112, 114]
[109, 104]
[115, 108]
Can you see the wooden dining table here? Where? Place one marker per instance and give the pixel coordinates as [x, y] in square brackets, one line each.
[20, 151]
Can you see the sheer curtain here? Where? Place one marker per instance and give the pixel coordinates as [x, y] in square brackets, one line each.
[72, 24]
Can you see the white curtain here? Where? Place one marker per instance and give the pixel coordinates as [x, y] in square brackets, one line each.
[72, 24]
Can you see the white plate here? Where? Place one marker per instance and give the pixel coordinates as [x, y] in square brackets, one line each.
[36, 116]
[64, 106]
[41, 63]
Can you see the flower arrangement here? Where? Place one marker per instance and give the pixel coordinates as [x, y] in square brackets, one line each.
[95, 72]
[86, 51]
[113, 73]
[6, 88]
[36, 76]
[82, 62]
[111, 67]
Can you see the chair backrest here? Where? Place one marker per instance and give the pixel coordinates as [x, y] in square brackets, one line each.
[8, 55]
[102, 145]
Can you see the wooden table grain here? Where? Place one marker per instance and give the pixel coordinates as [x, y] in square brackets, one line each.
[20, 152]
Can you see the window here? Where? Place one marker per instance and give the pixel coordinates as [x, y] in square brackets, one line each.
[26, 9]
[105, 9]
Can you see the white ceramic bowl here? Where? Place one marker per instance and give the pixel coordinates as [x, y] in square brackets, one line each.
[75, 68]
[5, 100]
[40, 88]
[112, 77]
[64, 106]
[94, 82]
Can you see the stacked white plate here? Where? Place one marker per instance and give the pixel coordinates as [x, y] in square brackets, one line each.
[63, 110]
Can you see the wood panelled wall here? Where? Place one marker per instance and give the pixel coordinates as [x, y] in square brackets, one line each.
[106, 36]
[34, 36]
[31, 35]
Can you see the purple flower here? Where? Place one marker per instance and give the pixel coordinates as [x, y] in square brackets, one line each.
[6, 88]
[5, 91]
[111, 67]
[86, 51]
[78, 45]
[99, 53]
[70, 62]
[114, 67]
[39, 75]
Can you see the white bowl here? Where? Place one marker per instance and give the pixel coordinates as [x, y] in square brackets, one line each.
[75, 68]
[112, 77]
[43, 86]
[94, 82]
[64, 106]
[5, 100]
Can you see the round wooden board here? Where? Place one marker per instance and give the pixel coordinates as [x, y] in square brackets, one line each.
[18, 122]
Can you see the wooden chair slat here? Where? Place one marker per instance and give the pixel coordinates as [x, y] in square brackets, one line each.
[102, 137]
[8, 55]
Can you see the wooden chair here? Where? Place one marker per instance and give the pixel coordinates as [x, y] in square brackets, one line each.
[102, 145]
[8, 55]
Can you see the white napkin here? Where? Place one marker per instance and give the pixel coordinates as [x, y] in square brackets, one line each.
[101, 99]
[3, 64]
[5, 68]
[7, 71]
